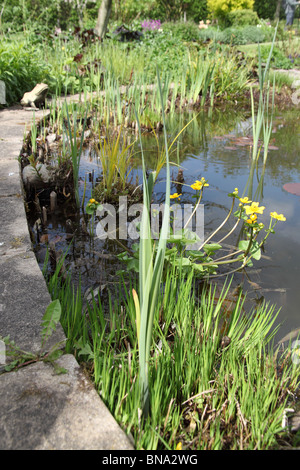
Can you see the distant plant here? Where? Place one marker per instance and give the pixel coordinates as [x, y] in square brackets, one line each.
[237, 35]
[21, 68]
[279, 59]
[75, 150]
[187, 31]
[220, 9]
[243, 17]
[243, 35]
[151, 25]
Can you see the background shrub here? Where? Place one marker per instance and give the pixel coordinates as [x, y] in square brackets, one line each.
[243, 18]
[20, 69]
[188, 31]
[221, 8]
[279, 60]
[235, 36]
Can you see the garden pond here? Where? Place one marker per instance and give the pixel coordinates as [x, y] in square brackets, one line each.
[215, 145]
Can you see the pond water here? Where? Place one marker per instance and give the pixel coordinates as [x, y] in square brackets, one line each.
[215, 145]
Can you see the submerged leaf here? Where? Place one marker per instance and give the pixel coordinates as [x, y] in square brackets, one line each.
[293, 188]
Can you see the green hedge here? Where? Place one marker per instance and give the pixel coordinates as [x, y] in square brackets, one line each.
[20, 69]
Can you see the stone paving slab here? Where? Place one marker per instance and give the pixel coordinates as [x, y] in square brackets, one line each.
[14, 234]
[41, 410]
[23, 301]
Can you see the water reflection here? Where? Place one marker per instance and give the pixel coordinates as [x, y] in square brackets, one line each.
[218, 146]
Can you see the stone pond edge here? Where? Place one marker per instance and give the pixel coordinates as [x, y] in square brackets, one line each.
[37, 412]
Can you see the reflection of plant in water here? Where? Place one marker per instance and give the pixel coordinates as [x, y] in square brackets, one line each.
[203, 261]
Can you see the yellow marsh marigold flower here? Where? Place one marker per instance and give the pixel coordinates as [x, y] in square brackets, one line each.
[92, 201]
[252, 219]
[175, 195]
[254, 209]
[199, 184]
[245, 200]
[179, 446]
[276, 216]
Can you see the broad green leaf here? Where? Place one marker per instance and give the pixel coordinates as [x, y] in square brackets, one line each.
[84, 349]
[255, 251]
[211, 247]
[50, 319]
[243, 245]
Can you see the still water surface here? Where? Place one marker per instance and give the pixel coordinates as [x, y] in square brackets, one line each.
[216, 146]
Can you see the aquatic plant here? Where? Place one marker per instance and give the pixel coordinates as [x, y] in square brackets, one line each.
[150, 270]
[187, 252]
[75, 152]
[115, 156]
[216, 381]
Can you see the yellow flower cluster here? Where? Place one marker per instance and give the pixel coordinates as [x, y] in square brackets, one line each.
[175, 195]
[244, 200]
[93, 201]
[199, 184]
[253, 208]
[276, 216]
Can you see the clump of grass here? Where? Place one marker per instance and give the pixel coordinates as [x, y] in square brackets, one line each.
[115, 156]
[215, 380]
[74, 148]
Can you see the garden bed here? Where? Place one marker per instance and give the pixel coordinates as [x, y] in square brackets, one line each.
[214, 379]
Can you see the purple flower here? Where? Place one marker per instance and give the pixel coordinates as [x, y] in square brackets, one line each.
[151, 25]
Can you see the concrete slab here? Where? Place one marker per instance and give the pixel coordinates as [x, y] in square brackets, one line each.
[23, 301]
[44, 411]
[14, 234]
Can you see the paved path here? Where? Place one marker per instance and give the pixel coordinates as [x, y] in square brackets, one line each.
[39, 409]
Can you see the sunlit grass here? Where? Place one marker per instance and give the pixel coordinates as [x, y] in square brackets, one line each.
[204, 392]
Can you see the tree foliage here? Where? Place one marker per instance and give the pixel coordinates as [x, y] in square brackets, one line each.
[221, 8]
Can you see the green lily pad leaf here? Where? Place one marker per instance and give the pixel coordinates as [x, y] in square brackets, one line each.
[211, 248]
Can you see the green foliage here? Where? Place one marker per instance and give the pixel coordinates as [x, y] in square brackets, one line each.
[20, 358]
[40, 15]
[236, 35]
[243, 18]
[190, 368]
[127, 10]
[221, 8]
[246, 35]
[50, 319]
[265, 9]
[278, 60]
[21, 68]
[115, 156]
[164, 49]
[75, 150]
[197, 10]
[188, 31]
[173, 10]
